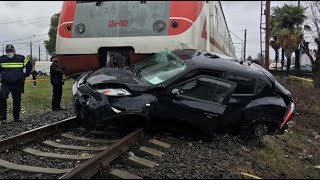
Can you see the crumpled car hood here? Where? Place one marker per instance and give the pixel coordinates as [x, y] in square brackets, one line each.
[117, 76]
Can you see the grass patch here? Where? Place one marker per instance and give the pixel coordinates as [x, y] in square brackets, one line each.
[37, 100]
[283, 153]
[275, 154]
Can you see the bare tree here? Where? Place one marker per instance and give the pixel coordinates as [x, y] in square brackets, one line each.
[312, 25]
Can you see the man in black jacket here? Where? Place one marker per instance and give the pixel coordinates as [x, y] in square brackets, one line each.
[56, 77]
[12, 81]
[34, 77]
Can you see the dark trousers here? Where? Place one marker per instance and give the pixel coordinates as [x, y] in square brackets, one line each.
[16, 91]
[34, 80]
[57, 94]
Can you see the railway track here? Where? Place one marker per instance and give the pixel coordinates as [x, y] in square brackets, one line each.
[60, 150]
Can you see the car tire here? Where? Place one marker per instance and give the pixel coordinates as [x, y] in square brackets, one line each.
[259, 130]
[39, 73]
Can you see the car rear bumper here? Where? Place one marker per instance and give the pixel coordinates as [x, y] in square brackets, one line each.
[282, 130]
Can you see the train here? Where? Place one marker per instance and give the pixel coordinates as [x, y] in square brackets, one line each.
[95, 34]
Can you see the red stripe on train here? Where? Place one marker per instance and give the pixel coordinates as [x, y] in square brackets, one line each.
[67, 15]
[183, 9]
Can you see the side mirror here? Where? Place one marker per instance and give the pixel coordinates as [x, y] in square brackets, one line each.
[175, 92]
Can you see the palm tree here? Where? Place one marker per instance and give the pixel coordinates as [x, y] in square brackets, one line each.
[286, 22]
[275, 46]
[273, 43]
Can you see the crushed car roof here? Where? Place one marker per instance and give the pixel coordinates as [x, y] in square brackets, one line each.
[207, 60]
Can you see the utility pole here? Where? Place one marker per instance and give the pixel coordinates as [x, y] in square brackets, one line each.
[39, 51]
[30, 50]
[298, 54]
[245, 44]
[266, 62]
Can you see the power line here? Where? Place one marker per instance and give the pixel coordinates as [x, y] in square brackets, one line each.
[16, 43]
[238, 48]
[24, 20]
[236, 36]
[23, 42]
[37, 21]
[22, 38]
[24, 47]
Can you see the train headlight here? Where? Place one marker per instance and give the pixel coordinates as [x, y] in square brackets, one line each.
[80, 28]
[159, 26]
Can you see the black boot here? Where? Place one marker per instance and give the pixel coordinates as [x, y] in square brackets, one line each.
[17, 119]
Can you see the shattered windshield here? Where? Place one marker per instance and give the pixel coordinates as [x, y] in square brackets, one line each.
[160, 67]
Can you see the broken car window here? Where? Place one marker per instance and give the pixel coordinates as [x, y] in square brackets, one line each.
[160, 67]
[206, 89]
[244, 85]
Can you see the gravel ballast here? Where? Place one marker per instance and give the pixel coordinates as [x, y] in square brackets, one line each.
[220, 157]
[12, 128]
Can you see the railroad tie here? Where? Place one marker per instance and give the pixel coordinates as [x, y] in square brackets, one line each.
[149, 151]
[83, 148]
[159, 143]
[123, 174]
[56, 155]
[141, 162]
[25, 168]
[70, 136]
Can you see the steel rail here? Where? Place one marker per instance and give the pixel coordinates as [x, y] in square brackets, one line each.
[33, 134]
[101, 160]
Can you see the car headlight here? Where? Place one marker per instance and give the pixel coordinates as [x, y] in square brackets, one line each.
[114, 92]
[115, 110]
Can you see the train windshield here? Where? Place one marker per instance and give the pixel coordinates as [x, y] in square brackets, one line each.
[96, 19]
[159, 68]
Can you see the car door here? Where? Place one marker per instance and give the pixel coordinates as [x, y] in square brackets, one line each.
[200, 101]
[245, 91]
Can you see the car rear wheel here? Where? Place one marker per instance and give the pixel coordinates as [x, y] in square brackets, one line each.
[259, 130]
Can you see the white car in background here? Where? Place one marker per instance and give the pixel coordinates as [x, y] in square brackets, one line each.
[48, 71]
[42, 67]
[303, 68]
[272, 66]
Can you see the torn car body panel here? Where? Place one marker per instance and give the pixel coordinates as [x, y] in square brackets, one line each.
[187, 86]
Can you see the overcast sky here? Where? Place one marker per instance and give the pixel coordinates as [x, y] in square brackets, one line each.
[40, 11]
[240, 15]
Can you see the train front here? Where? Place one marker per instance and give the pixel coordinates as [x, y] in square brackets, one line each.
[97, 34]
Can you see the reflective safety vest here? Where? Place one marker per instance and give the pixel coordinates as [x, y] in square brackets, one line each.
[15, 64]
[11, 69]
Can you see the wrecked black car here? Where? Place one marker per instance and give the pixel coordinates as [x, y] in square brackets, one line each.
[189, 86]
